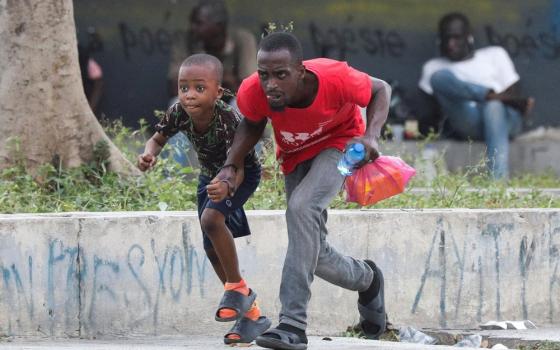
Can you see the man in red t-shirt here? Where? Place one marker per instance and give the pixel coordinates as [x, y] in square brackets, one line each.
[314, 109]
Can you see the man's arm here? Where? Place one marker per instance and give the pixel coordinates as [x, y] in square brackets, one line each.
[247, 135]
[247, 54]
[512, 97]
[376, 115]
[178, 53]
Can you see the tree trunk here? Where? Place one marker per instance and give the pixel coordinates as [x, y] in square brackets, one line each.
[42, 101]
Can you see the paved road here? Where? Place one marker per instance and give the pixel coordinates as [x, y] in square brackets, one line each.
[202, 343]
[512, 338]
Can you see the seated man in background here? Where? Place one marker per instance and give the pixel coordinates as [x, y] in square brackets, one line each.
[476, 91]
[209, 33]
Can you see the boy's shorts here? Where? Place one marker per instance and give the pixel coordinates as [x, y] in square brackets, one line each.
[232, 208]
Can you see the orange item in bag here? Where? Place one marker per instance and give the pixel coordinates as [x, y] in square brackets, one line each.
[385, 177]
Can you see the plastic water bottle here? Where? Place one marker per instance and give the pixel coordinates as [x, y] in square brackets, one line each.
[355, 154]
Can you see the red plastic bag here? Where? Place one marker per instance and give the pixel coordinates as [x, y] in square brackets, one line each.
[385, 177]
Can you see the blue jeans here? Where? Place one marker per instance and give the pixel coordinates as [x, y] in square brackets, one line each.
[471, 116]
[310, 188]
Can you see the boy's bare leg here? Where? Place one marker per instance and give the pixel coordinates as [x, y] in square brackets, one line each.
[216, 264]
[224, 258]
[213, 223]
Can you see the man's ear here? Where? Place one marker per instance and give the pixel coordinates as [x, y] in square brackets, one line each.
[220, 92]
[301, 71]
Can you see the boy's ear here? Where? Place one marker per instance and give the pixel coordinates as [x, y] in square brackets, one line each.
[220, 92]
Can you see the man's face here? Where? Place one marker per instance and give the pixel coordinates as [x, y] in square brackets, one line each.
[455, 41]
[279, 77]
[203, 26]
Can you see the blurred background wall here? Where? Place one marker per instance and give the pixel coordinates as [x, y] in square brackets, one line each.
[389, 39]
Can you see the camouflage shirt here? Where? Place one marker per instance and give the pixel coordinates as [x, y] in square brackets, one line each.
[212, 146]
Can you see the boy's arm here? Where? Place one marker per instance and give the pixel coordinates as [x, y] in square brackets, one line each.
[153, 147]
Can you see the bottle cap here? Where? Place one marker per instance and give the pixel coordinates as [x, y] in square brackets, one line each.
[358, 147]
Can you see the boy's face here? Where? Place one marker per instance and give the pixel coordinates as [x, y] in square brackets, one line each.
[198, 90]
[279, 77]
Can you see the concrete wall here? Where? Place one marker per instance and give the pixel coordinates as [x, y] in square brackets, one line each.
[105, 274]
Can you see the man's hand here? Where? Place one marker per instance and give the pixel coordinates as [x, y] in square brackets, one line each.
[146, 161]
[370, 146]
[226, 182]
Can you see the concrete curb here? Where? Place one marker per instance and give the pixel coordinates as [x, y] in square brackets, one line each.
[547, 192]
[145, 273]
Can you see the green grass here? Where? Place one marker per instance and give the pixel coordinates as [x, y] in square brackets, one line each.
[172, 187]
[546, 345]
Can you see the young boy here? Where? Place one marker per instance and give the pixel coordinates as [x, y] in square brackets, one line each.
[210, 125]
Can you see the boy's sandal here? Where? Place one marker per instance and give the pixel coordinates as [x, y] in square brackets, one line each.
[237, 302]
[373, 319]
[280, 339]
[247, 330]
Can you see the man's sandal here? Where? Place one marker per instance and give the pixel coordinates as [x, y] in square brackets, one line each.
[237, 302]
[373, 319]
[280, 340]
[247, 330]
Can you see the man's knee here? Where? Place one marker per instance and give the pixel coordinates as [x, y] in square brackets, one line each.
[495, 107]
[211, 221]
[441, 79]
[301, 207]
[494, 113]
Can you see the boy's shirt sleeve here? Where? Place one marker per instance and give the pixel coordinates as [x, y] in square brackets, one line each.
[229, 119]
[169, 124]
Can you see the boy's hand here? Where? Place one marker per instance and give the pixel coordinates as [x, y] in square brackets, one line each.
[146, 161]
[217, 190]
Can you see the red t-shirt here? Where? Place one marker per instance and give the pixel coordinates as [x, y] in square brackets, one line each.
[329, 122]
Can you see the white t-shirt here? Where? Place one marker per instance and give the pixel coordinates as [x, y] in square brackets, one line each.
[490, 67]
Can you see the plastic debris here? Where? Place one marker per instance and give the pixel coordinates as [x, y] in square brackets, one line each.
[410, 335]
[471, 341]
[524, 324]
[162, 206]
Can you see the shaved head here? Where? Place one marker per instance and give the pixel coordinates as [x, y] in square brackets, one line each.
[283, 41]
[202, 59]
